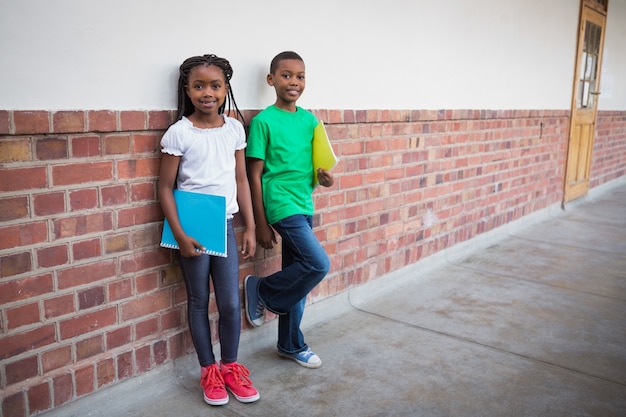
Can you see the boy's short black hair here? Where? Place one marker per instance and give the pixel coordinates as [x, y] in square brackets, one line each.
[282, 56]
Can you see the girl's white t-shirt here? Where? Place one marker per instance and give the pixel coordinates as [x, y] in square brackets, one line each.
[207, 163]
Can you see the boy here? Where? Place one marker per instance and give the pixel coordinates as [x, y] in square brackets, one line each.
[280, 171]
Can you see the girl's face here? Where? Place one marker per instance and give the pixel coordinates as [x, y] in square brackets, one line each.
[289, 82]
[207, 88]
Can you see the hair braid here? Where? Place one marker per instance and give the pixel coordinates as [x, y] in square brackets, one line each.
[185, 106]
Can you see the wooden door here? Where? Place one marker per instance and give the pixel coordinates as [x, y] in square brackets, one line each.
[585, 99]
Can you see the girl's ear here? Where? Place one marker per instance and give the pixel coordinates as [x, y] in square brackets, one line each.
[270, 80]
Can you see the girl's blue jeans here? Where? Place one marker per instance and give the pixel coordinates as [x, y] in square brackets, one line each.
[304, 264]
[225, 275]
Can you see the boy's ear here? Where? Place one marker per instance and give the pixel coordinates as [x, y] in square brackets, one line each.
[270, 80]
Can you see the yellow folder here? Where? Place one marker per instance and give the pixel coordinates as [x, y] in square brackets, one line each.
[323, 154]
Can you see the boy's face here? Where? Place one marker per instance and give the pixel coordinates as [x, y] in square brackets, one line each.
[288, 81]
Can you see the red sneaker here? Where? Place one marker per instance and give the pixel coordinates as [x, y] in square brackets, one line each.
[212, 384]
[236, 380]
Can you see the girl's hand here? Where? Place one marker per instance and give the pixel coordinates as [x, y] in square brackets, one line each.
[324, 177]
[266, 236]
[190, 247]
[248, 247]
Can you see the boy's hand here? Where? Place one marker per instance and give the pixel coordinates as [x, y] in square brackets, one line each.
[325, 178]
[266, 236]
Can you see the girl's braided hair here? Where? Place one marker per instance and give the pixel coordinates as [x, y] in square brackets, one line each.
[185, 106]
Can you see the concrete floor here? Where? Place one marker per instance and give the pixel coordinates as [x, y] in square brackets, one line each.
[529, 320]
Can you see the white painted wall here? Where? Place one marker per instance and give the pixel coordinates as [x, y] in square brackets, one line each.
[360, 54]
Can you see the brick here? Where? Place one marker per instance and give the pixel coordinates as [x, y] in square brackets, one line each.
[80, 173]
[171, 319]
[84, 380]
[49, 148]
[117, 145]
[146, 142]
[56, 358]
[105, 371]
[91, 297]
[143, 360]
[21, 179]
[86, 323]
[146, 283]
[5, 122]
[125, 365]
[68, 121]
[39, 398]
[25, 288]
[160, 119]
[13, 208]
[133, 120]
[143, 192]
[49, 203]
[175, 346]
[139, 215]
[86, 146]
[83, 224]
[59, 306]
[23, 235]
[85, 274]
[17, 343]
[118, 337]
[102, 121]
[159, 352]
[117, 243]
[31, 122]
[146, 237]
[21, 370]
[15, 150]
[15, 264]
[120, 289]
[146, 328]
[143, 306]
[14, 405]
[143, 260]
[86, 249]
[114, 195]
[138, 168]
[52, 256]
[87, 348]
[22, 315]
[83, 199]
[63, 389]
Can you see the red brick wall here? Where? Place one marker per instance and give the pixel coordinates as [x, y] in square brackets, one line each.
[88, 299]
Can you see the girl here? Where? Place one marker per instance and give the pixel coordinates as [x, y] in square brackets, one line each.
[203, 151]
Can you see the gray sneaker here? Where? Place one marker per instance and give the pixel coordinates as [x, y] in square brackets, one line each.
[255, 311]
[306, 358]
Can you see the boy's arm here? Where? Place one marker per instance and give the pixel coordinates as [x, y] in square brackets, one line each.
[264, 232]
[248, 245]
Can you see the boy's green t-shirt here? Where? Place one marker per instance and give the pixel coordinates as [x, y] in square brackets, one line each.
[283, 140]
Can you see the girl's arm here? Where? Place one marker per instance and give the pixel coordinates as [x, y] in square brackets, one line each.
[167, 177]
[248, 246]
[264, 232]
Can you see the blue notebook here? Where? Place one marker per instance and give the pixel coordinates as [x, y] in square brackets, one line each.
[203, 217]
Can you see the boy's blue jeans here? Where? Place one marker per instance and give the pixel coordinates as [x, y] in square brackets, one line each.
[305, 263]
[225, 275]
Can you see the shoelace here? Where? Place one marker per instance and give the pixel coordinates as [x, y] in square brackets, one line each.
[240, 373]
[259, 309]
[212, 378]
